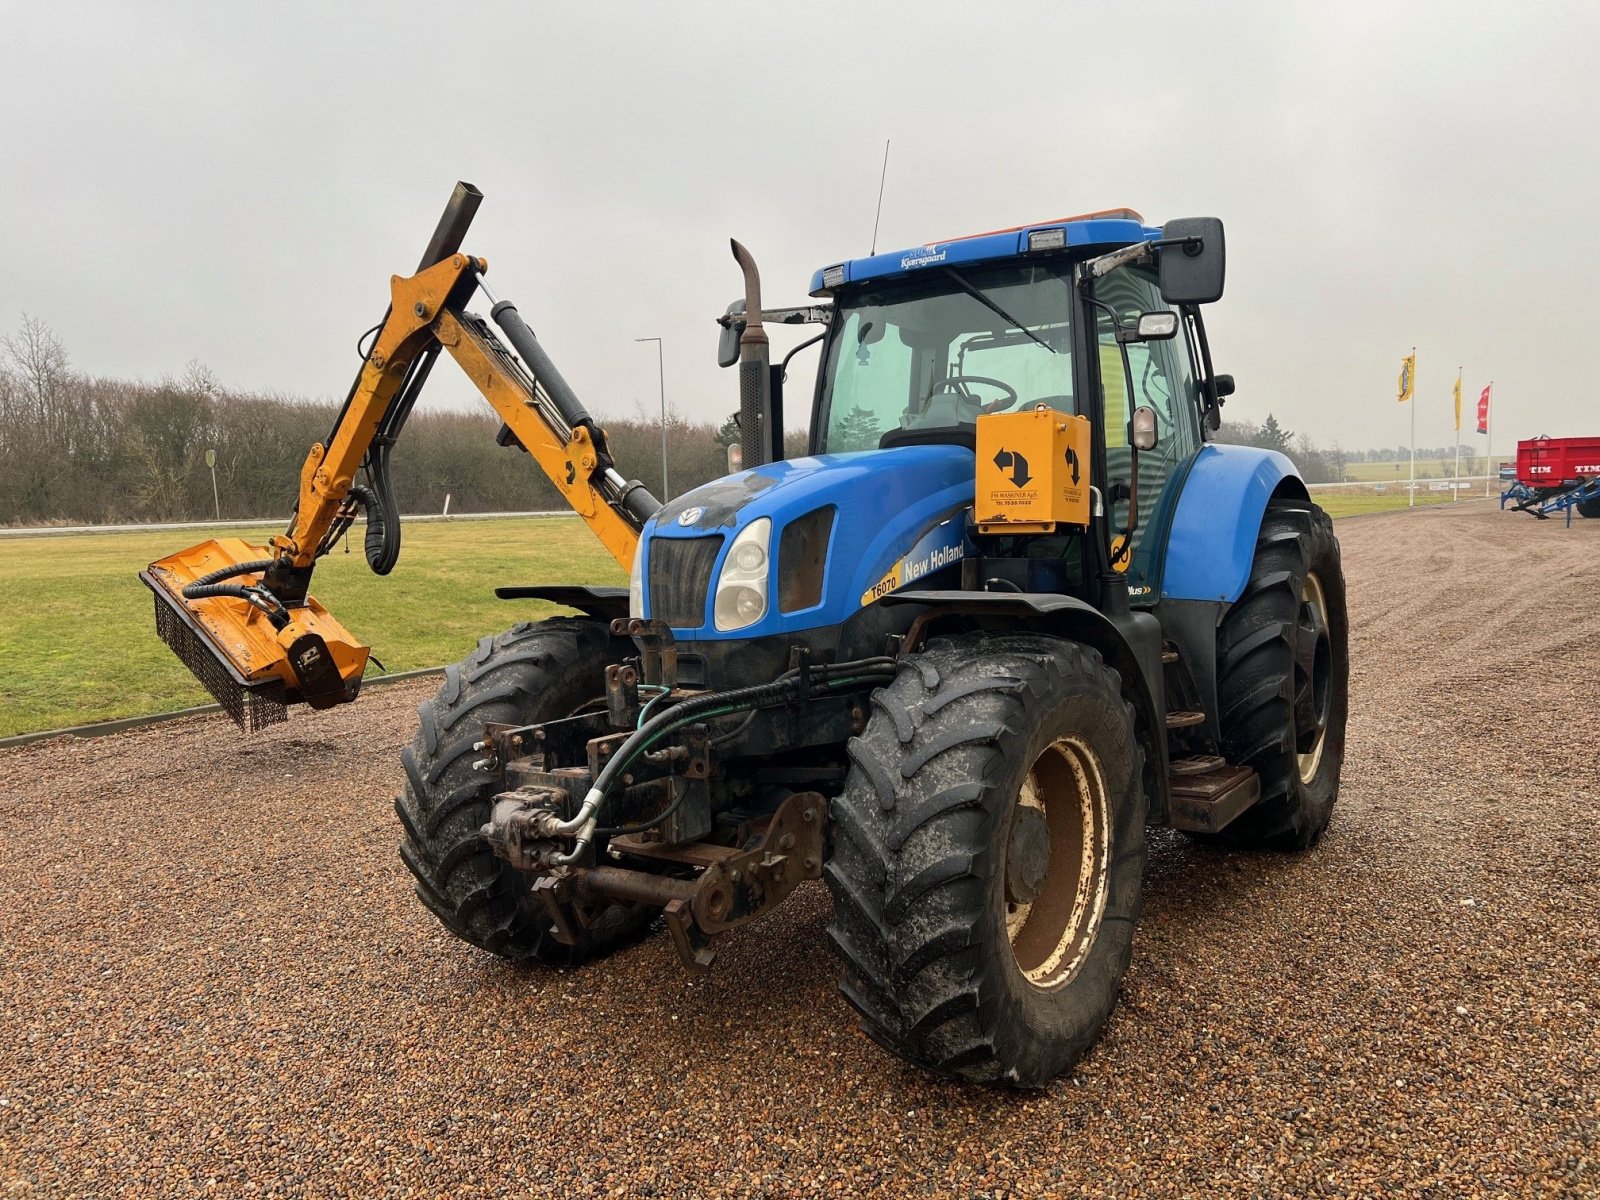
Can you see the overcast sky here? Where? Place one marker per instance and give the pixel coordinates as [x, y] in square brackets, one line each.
[234, 184]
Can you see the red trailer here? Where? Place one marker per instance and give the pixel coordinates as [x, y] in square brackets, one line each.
[1557, 462]
[1556, 474]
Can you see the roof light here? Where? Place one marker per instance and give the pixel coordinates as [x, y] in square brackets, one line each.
[832, 277]
[1047, 239]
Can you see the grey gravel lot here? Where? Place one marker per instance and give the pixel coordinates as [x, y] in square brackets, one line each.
[214, 979]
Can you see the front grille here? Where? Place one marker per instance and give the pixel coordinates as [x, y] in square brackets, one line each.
[680, 578]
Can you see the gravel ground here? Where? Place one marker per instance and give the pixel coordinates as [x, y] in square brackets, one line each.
[214, 978]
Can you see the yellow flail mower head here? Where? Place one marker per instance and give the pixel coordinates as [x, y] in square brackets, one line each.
[253, 652]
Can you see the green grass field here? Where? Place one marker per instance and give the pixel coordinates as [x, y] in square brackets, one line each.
[1355, 502]
[1397, 473]
[77, 635]
[78, 641]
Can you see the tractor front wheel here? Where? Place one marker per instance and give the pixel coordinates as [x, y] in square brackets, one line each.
[987, 857]
[534, 672]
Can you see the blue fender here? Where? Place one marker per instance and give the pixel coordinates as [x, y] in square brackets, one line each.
[1218, 518]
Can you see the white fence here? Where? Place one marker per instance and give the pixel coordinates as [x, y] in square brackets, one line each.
[261, 523]
[1464, 483]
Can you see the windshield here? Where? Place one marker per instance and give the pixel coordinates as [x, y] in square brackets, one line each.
[912, 361]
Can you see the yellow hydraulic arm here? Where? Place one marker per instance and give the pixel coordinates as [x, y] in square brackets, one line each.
[239, 615]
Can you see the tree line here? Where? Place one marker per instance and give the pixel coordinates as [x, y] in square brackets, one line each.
[1329, 465]
[75, 449]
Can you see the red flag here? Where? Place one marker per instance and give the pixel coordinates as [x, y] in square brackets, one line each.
[1483, 410]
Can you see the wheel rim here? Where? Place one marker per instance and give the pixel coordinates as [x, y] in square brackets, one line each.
[1313, 661]
[1054, 905]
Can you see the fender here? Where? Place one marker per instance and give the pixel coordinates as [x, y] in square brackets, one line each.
[1218, 518]
[1130, 643]
[607, 603]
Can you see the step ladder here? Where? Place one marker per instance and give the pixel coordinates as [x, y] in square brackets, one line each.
[1207, 792]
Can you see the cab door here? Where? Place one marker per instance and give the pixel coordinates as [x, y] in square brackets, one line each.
[1161, 375]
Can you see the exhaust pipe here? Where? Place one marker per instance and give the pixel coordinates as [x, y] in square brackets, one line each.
[755, 369]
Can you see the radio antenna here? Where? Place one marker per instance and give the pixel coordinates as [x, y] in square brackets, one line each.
[879, 214]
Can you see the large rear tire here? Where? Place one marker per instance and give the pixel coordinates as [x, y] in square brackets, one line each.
[987, 857]
[1589, 508]
[1283, 674]
[533, 672]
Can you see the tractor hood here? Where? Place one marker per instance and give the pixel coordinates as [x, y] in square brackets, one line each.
[842, 530]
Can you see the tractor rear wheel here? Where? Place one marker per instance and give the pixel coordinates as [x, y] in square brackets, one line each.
[534, 672]
[1589, 508]
[1283, 671]
[987, 857]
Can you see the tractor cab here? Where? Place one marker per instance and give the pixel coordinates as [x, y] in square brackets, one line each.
[1082, 317]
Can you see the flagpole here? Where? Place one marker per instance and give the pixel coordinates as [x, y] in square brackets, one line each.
[1413, 398]
[1455, 488]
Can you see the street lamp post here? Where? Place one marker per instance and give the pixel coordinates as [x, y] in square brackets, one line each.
[216, 498]
[661, 370]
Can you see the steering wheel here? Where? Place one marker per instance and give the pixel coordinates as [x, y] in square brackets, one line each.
[948, 384]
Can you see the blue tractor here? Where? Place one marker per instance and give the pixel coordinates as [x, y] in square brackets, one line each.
[1010, 610]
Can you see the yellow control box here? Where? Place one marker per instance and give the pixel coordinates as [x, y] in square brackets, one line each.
[1033, 472]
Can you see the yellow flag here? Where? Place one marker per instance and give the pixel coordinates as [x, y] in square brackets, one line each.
[1408, 377]
[1458, 403]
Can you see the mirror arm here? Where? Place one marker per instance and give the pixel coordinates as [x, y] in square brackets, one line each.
[1208, 382]
[809, 314]
[1192, 246]
[810, 341]
[1094, 268]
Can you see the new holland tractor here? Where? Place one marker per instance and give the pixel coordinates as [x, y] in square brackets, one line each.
[1010, 610]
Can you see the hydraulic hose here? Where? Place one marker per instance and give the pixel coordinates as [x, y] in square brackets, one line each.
[196, 590]
[255, 595]
[764, 695]
[382, 543]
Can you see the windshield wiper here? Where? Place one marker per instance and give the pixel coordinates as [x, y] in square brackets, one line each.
[995, 308]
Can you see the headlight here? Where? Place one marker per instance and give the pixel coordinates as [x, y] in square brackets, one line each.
[741, 598]
[636, 582]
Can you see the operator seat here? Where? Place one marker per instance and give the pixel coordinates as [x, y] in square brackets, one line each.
[948, 419]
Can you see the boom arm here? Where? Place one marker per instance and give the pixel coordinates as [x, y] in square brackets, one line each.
[259, 644]
[426, 312]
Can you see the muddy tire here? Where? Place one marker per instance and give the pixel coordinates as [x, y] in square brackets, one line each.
[986, 858]
[533, 672]
[1283, 672]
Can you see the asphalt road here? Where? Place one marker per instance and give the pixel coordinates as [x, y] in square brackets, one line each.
[214, 978]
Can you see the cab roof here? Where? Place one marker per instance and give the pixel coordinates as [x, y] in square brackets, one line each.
[1109, 227]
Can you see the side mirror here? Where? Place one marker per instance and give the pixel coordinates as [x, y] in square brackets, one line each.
[1192, 268]
[1224, 385]
[1142, 428]
[732, 323]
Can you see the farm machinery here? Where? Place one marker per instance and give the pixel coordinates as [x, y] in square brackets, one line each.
[1555, 475]
[1011, 609]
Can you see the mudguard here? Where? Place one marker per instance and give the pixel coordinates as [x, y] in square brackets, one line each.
[603, 602]
[1218, 517]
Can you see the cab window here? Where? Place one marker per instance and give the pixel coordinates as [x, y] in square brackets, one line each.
[921, 359]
